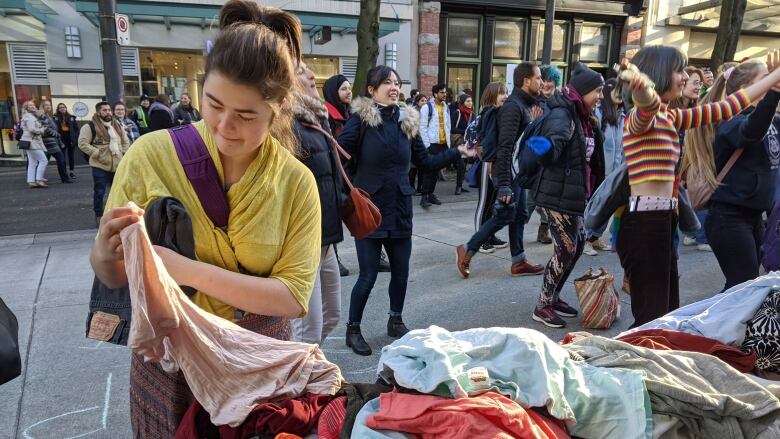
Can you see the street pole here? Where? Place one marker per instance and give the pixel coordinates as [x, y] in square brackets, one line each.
[549, 20]
[112, 59]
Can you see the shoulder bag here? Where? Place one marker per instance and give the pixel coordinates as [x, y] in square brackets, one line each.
[700, 192]
[359, 214]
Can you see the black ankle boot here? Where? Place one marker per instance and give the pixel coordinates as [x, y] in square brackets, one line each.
[396, 327]
[356, 341]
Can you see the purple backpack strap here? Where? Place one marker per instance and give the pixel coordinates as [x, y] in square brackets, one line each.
[201, 172]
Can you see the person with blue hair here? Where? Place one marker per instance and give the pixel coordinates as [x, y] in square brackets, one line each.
[552, 80]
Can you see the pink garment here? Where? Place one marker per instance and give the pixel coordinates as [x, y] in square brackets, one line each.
[489, 415]
[229, 369]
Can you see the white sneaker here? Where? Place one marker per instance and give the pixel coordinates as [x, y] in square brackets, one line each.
[704, 248]
[589, 250]
[687, 240]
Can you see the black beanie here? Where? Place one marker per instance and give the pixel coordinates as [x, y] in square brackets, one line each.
[585, 80]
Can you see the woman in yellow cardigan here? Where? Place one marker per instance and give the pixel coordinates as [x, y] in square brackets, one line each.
[259, 270]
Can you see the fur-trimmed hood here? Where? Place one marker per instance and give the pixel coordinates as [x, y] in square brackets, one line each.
[368, 112]
[308, 109]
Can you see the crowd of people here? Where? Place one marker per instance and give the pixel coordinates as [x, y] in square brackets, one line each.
[277, 145]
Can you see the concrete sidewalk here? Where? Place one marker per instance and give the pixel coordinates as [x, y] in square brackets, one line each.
[75, 387]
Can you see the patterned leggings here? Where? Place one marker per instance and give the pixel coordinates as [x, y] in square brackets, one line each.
[568, 236]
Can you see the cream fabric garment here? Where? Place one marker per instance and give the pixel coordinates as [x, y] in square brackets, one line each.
[115, 140]
[228, 368]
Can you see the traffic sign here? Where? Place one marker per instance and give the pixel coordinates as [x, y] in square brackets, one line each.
[122, 29]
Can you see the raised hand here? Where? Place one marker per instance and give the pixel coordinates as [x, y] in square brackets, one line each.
[536, 111]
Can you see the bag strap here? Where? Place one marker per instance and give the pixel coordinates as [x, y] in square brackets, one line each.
[201, 172]
[732, 160]
[338, 152]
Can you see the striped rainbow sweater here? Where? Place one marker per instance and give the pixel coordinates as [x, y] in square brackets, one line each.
[650, 140]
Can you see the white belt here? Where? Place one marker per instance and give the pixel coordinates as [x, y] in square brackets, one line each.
[644, 203]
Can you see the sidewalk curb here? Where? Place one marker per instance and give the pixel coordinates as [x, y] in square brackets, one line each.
[26, 240]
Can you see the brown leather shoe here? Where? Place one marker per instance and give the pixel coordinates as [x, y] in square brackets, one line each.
[526, 269]
[543, 235]
[462, 261]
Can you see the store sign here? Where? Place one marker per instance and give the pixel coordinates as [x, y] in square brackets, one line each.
[122, 29]
[80, 109]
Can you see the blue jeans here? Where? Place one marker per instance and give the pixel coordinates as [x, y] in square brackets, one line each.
[512, 215]
[102, 179]
[399, 250]
[700, 235]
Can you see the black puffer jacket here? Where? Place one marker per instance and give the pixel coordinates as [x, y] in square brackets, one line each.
[561, 185]
[318, 157]
[513, 117]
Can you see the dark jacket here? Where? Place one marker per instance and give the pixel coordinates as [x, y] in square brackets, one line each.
[488, 133]
[51, 135]
[459, 121]
[73, 134]
[335, 119]
[186, 115]
[561, 185]
[390, 144]
[141, 118]
[752, 182]
[160, 117]
[513, 117]
[318, 157]
[169, 225]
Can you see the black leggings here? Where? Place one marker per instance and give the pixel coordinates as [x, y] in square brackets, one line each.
[735, 235]
[645, 245]
[568, 242]
[69, 151]
[430, 178]
[399, 250]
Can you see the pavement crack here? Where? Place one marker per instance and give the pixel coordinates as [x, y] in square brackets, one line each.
[29, 343]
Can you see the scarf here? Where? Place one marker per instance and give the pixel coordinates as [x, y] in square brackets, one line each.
[115, 141]
[331, 92]
[466, 112]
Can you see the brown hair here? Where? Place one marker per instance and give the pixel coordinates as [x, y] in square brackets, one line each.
[699, 158]
[260, 47]
[682, 101]
[490, 95]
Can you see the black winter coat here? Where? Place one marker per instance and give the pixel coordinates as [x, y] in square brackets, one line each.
[317, 155]
[513, 117]
[72, 124]
[390, 145]
[561, 185]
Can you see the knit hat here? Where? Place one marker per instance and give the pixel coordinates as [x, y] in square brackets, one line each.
[585, 80]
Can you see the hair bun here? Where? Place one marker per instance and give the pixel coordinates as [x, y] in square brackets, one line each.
[239, 11]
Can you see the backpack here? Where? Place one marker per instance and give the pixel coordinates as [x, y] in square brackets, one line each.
[770, 248]
[525, 167]
[18, 132]
[479, 136]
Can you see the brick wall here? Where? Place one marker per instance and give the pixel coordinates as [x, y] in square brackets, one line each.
[632, 37]
[428, 46]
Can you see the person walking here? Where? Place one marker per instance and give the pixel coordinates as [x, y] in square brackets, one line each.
[648, 226]
[435, 134]
[127, 124]
[184, 113]
[572, 168]
[493, 97]
[517, 112]
[69, 134]
[51, 140]
[338, 97]
[735, 224]
[160, 115]
[141, 114]
[461, 117]
[609, 113]
[317, 154]
[32, 132]
[105, 142]
[389, 142]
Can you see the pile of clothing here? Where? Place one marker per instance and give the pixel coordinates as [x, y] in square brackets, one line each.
[703, 371]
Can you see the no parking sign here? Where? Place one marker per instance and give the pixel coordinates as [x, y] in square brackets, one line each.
[122, 29]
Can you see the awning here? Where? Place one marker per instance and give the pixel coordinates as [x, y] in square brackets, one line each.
[761, 16]
[178, 13]
[35, 8]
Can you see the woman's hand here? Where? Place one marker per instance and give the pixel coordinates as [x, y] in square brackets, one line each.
[772, 64]
[536, 111]
[466, 151]
[178, 266]
[108, 245]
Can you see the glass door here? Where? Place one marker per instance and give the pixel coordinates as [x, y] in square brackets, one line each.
[461, 77]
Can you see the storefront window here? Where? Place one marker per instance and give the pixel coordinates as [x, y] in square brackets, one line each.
[323, 68]
[7, 107]
[463, 37]
[460, 77]
[560, 41]
[499, 73]
[594, 44]
[510, 39]
[171, 73]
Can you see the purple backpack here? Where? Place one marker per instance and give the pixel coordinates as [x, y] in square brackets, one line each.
[770, 249]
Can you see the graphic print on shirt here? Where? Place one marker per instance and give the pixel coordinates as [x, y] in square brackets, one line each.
[590, 146]
[773, 147]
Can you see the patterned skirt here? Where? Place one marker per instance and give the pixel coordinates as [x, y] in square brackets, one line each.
[158, 399]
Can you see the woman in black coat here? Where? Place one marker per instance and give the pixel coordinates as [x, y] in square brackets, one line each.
[338, 96]
[69, 134]
[384, 140]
